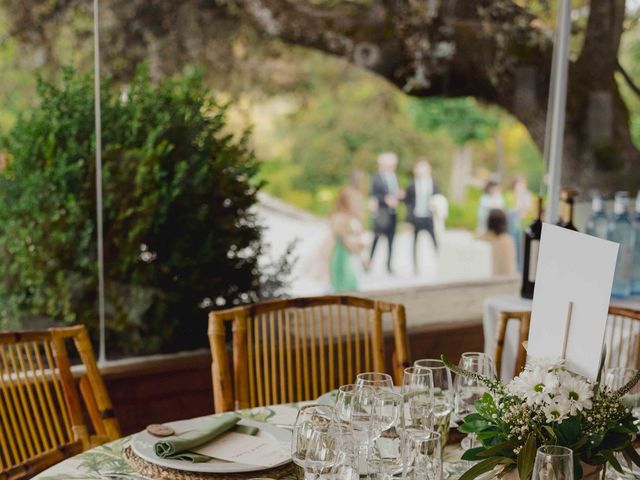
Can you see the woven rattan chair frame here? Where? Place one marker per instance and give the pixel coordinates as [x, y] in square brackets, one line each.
[41, 415]
[296, 349]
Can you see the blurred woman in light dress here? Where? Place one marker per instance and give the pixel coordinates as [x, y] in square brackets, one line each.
[345, 263]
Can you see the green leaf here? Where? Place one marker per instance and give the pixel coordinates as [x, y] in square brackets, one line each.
[483, 467]
[568, 431]
[613, 461]
[633, 455]
[508, 445]
[526, 458]
[472, 455]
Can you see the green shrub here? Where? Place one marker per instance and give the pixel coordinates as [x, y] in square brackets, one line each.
[178, 230]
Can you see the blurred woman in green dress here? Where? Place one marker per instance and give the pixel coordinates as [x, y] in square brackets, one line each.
[346, 225]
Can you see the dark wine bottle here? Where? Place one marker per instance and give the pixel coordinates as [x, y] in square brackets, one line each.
[531, 247]
[565, 217]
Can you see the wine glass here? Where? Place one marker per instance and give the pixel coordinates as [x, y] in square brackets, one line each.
[443, 397]
[618, 377]
[327, 453]
[362, 405]
[553, 462]
[375, 380]
[387, 430]
[423, 455]
[309, 418]
[417, 390]
[469, 390]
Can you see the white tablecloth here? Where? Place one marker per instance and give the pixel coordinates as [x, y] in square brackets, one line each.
[500, 303]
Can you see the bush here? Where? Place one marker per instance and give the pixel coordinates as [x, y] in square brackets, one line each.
[178, 230]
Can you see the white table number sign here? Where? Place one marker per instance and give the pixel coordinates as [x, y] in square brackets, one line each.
[574, 275]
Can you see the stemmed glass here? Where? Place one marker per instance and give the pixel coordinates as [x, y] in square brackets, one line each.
[443, 397]
[309, 419]
[468, 390]
[553, 463]
[376, 381]
[423, 455]
[344, 399]
[387, 430]
[417, 391]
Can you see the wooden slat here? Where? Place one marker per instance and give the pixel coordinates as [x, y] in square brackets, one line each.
[298, 350]
[305, 356]
[358, 353]
[340, 356]
[49, 439]
[274, 364]
[367, 341]
[31, 406]
[287, 333]
[256, 345]
[250, 363]
[321, 351]
[349, 346]
[332, 370]
[48, 385]
[314, 354]
[15, 412]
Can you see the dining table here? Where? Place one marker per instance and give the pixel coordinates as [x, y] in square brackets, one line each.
[108, 461]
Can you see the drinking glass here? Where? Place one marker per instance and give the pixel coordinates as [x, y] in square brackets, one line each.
[618, 377]
[309, 418]
[375, 380]
[387, 427]
[423, 455]
[327, 454]
[362, 405]
[417, 390]
[553, 463]
[344, 398]
[443, 397]
[468, 390]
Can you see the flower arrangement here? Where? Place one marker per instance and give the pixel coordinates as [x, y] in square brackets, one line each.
[548, 405]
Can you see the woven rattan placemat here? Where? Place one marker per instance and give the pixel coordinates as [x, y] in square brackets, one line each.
[157, 472]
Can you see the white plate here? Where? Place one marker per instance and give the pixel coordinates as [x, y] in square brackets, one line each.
[142, 444]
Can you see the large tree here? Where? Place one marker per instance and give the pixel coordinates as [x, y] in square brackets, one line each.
[498, 51]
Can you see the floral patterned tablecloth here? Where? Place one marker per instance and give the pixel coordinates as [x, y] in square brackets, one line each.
[107, 461]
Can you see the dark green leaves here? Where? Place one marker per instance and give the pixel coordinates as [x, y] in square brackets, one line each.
[526, 458]
[485, 466]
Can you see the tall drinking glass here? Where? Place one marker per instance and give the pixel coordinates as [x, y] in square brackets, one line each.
[417, 391]
[309, 418]
[344, 398]
[387, 430]
[360, 423]
[375, 380]
[443, 395]
[553, 463]
[423, 455]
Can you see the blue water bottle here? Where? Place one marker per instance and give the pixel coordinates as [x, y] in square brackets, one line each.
[621, 230]
[598, 221]
[635, 273]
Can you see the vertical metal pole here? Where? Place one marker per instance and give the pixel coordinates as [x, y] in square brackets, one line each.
[102, 353]
[556, 109]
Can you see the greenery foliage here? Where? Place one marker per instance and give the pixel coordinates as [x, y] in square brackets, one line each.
[179, 233]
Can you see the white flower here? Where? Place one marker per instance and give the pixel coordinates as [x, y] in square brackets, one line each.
[557, 410]
[544, 363]
[578, 392]
[536, 386]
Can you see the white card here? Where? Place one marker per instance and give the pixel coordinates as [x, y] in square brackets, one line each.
[248, 449]
[578, 268]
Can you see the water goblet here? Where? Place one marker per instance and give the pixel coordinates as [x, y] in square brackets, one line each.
[553, 462]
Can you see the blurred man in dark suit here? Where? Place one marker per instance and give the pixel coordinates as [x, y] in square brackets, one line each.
[385, 194]
[418, 201]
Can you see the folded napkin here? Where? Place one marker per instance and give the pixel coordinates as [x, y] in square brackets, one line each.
[178, 447]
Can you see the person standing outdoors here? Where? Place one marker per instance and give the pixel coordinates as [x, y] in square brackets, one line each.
[345, 263]
[419, 209]
[385, 195]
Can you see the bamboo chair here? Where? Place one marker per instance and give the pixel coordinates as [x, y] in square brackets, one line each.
[41, 417]
[294, 350]
[524, 318]
[622, 338]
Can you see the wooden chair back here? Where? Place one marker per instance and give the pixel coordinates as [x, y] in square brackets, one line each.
[41, 415]
[622, 338]
[293, 350]
[524, 319]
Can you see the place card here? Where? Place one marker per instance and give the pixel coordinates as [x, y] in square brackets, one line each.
[251, 450]
[573, 268]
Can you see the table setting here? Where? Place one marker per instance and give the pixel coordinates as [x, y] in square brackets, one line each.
[563, 416]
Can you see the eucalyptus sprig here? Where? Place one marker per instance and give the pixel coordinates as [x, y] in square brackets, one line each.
[494, 385]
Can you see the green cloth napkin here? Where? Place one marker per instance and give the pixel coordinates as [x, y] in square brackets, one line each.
[177, 447]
